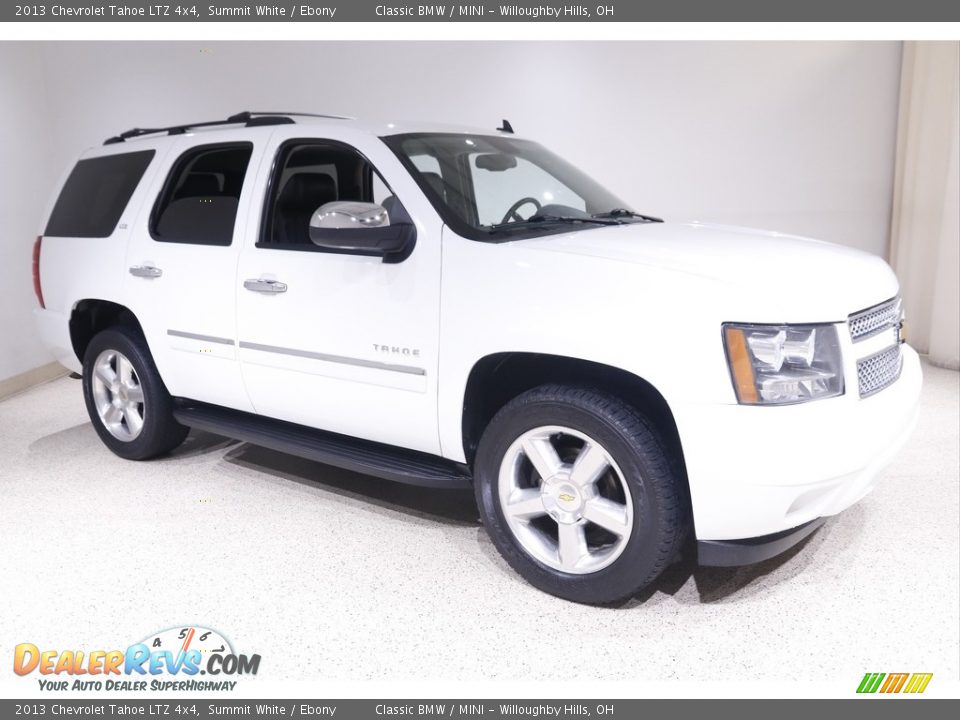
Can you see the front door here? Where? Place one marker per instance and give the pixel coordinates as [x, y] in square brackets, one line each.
[336, 341]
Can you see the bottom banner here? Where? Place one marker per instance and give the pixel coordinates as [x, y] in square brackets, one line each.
[499, 709]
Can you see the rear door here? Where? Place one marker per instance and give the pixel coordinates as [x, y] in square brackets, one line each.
[182, 260]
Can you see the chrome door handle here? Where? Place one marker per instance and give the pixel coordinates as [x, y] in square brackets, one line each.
[265, 286]
[146, 271]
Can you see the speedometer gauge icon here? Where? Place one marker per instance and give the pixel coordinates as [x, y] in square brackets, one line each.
[182, 639]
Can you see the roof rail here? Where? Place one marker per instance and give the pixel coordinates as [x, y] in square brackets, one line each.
[247, 118]
[248, 113]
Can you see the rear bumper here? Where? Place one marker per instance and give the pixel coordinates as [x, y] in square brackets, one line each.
[54, 330]
[731, 553]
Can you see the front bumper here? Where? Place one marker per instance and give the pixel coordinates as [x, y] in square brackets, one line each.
[760, 471]
[730, 553]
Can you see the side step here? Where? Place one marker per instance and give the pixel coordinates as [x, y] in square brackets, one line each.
[361, 456]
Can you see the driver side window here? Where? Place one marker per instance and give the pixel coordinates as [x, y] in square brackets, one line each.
[308, 175]
[497, 190]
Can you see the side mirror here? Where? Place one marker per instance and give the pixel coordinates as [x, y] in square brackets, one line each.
[360, 228]
[344, 215]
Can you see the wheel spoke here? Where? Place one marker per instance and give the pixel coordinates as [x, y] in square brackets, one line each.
[572, 544]
[106, 374]
[590, 465]
[543, 456]
[134, 420]
[525, 504]
[112, 416]
[607, 514]
[124, 370]
[135, 394]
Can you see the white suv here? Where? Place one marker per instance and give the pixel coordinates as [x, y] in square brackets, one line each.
[446, 307]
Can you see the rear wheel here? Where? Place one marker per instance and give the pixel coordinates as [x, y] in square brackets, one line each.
[125, 397]
[578, 494]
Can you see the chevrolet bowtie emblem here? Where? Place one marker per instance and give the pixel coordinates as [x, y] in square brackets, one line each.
[567, 497]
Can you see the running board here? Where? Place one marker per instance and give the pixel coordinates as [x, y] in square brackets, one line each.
[360, 456]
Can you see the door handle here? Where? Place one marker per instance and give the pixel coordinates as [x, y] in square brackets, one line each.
[265, 286]
[146, 271]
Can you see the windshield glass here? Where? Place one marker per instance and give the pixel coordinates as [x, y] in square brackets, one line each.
[491, 187]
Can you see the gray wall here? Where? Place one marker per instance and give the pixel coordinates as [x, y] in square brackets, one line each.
[797, 137]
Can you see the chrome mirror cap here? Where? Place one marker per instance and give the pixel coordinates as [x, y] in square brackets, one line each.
[349, 215]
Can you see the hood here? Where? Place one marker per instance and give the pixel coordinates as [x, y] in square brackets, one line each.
[789, 276]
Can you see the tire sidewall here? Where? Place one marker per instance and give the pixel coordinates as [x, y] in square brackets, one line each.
[639, 560]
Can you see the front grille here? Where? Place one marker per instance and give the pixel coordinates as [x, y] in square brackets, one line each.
[876, 372]
[876, 319]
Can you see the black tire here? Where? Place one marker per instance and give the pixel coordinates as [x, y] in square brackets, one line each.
[654, 479]
[160, 432]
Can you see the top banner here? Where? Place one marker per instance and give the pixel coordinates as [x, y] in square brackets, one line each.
[591, 11]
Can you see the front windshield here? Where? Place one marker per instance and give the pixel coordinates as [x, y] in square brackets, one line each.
[492, 186]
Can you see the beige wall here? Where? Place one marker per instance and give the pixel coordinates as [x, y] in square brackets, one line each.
[925, 247]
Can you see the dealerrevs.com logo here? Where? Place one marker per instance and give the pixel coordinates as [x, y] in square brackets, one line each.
[177, 659]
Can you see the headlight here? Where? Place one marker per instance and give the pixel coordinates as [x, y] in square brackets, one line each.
[783, 364]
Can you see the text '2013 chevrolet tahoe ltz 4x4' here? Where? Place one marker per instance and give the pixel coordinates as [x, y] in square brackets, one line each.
[449, 307]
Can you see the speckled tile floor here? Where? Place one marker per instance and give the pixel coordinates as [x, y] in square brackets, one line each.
[348, 577]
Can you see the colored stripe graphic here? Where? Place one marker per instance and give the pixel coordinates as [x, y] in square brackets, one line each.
[870, 682]
[918, 683]
[895, 682]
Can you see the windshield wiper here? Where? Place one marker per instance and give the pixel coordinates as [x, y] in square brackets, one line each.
[623, 212]
[540, 219]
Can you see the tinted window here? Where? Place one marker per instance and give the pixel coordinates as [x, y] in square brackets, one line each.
[309, 175]
[199, 201]
[96, 194]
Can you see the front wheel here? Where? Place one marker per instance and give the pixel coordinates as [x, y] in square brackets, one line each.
[126, 399]
[579, 494]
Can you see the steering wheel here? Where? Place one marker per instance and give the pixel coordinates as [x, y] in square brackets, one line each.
[513, 216]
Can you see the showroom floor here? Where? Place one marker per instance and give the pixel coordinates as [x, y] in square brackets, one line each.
[338, 576]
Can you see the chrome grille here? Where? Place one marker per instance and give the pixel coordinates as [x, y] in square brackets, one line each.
[876, 319]
[876, 372]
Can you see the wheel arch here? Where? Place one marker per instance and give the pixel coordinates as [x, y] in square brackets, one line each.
[496, 379]
[93, 315]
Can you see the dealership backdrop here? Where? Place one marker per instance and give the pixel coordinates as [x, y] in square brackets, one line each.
[797, 137]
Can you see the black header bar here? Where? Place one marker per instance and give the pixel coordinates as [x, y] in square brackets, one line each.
[523, 11]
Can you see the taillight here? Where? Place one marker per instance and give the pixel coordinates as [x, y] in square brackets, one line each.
[36, 271]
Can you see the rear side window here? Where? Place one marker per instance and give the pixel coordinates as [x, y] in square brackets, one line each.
[198, 204]
[96, 194]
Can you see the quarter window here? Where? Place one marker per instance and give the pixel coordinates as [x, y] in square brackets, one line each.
[199, 202]
[95, 195]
